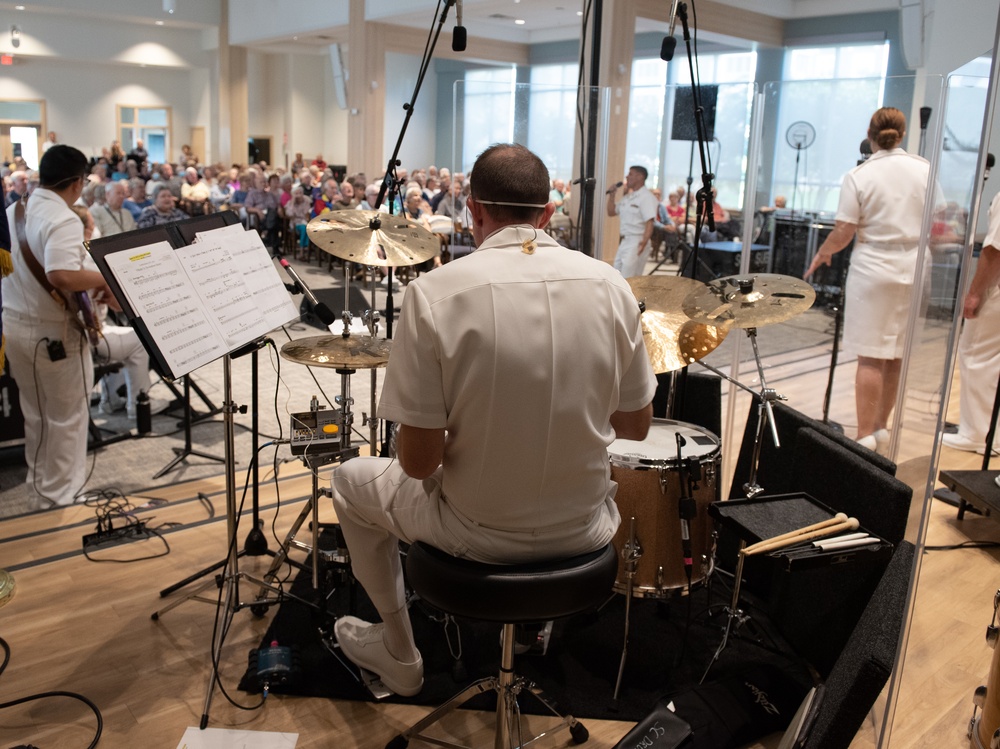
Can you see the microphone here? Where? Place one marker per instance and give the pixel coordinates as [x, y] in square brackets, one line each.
[669, 42]
[458, 37]
[686, 508]
[612, 190]
[925, 117]
[866, 151]
[323, 312]
[990, 161]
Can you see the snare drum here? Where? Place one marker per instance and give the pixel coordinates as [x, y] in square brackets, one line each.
[648, 477]
[984, 731]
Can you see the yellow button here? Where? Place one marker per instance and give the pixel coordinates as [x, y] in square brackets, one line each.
[330, 429]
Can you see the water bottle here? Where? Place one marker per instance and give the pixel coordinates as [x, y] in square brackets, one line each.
[143, 416]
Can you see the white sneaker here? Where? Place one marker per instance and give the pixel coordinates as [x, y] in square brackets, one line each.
[868, 441]
[362, 643]
[959, 442]
[881, 441]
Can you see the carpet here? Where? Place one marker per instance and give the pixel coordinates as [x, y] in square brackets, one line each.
[577, 673]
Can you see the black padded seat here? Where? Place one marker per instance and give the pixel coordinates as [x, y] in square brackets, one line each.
[513, 593]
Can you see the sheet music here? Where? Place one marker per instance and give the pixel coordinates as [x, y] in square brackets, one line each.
[203, 300]
[160, 292]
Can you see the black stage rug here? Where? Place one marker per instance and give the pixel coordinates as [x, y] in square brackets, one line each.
[579, 670]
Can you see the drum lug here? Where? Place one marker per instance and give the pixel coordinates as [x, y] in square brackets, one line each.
[710, 472]
[992, 633]
[979, 698]
[995, 740]
[659, 578]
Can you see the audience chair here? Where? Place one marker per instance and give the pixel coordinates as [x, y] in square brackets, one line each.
[508, 595]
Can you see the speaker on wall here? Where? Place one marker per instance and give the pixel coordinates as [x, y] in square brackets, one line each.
[684, 127]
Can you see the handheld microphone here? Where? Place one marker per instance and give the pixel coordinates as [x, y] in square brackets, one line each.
[612, 190]
[925, 117]
[669, 42]
[866, 151]
[323, 312]
[458, 37]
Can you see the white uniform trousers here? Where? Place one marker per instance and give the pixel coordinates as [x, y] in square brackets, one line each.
[979, 368]
[627, 260]
[55, 401]
[377, 503]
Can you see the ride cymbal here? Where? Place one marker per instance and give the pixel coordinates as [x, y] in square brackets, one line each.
[673, 340]
[338, 352]
[750, 301]
[372, 238]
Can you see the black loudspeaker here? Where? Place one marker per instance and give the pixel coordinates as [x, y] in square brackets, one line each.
[700, 403]
[797, 238]
[684, 127]
[334, 299]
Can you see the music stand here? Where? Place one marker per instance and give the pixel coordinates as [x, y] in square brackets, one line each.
[193, 296]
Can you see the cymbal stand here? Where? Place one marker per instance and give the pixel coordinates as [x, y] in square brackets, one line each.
[735, 615]
[631, 554]
[765, 414]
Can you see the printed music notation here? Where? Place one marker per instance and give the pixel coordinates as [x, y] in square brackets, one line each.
[205, 299]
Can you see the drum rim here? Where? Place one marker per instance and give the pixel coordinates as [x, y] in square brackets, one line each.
[629, 460]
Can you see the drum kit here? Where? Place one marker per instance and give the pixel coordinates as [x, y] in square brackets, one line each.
[667, 481]
[984, 730]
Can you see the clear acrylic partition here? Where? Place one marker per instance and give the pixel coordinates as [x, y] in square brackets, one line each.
[552, 119]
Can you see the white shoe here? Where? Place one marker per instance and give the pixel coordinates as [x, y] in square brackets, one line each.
[868, 441]
[362, 643]
[881, 441]
[959, 442]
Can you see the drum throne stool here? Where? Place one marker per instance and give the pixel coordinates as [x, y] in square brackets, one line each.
[508, 595]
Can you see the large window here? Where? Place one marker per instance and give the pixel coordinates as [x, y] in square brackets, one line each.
[552, 108]
[151, 125]
[488, 108]
[834, 90]
[661, 119]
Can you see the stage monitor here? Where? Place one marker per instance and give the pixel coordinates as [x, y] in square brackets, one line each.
[684, 127]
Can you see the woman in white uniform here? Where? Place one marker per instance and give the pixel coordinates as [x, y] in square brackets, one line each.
[882, 203]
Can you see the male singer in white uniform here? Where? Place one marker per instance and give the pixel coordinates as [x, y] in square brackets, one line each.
[637, 210]
[512, 370]
[979, 345]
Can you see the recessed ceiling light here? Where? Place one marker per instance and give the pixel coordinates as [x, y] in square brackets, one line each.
[579, 12]
[519, 21]
[18, 7]
[158, 23]
[295, 38]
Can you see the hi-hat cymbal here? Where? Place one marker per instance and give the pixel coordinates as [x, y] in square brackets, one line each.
[338, 352]
[750, 301]
[350, 235]
[672, 339]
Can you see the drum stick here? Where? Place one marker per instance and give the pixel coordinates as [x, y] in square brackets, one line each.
[839, 539]
[838, 518]
[771, 545]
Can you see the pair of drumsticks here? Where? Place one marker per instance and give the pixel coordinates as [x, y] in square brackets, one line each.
[837, 524]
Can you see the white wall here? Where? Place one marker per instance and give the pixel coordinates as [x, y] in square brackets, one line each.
[81, 101]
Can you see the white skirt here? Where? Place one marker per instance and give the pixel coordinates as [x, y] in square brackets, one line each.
[877, 307]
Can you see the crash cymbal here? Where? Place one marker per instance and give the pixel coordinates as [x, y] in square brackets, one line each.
[750, 301]
[673, 340]
[338, 352]
[394, 241]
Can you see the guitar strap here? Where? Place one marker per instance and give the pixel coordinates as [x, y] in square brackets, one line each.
[32, 262]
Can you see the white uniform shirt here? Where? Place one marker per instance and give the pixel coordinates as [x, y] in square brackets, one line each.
[886, 216]
[635, 209]
[992, 238]
[522, 358]
[55, 235]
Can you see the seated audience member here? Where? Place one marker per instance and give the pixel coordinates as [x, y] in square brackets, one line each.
[263, 202]
[458, 382]
[139, 155]
[137, 200]
[371, 197]
[328, 199]
[674, 208]
[162, 211]
[195, 193]
[297, 211]
[318, 162]
[285, 183]
[188, 157]
[779, 204]
[19, 187]
[346, 201]
[453, 204]
[112, 217]
[412, 210]
[558, 195]
[298, 164]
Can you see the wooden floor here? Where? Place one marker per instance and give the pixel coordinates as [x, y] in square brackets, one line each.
[85, 626]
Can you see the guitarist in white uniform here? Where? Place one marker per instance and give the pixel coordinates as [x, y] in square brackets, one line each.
[48, 350]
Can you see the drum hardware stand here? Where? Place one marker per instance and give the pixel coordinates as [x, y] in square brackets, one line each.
[734, 613]
[183, 453]
[631, 554]
[765, 413]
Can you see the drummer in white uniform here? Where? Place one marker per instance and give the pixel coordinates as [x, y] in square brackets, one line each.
[637, 210]
[882, 201]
